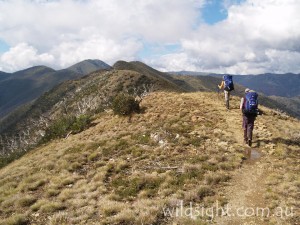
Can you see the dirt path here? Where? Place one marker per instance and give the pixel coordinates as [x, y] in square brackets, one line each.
[245, 191]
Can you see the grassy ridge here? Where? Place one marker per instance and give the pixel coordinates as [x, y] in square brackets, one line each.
[183, 147]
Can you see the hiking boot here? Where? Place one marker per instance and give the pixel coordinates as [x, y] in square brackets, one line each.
[227, 105]
[249, 143]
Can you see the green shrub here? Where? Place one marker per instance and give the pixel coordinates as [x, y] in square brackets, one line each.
[61, 127]
[80, 123]
[124, 104]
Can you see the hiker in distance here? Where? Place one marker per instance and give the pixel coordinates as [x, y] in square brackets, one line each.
[249, 108]
[227, 85]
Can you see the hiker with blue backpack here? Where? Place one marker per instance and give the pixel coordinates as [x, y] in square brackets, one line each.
[249, 108]
[227, 85]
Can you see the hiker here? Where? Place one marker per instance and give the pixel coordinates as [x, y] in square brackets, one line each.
[249, 109]
[227, 85]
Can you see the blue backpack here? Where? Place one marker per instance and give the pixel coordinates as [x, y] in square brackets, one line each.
[228, 83]
[251, 103]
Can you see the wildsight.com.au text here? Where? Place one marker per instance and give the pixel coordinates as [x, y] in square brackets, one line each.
[194, 211]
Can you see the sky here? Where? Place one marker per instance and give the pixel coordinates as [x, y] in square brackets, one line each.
[220, 36]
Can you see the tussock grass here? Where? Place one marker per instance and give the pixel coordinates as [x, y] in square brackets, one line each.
[51, 207]
[68, 181]
[52, 192]
[127, 188]
[216, 178]
[36, 206]
[17, 219]
[26, 201]
[110, 208]
[60, 218]
[126, 216]
[32, 183]
[66, 194]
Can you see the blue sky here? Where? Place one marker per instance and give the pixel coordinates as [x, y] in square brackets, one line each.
[222, 36]
[3, 46]
[214, 12]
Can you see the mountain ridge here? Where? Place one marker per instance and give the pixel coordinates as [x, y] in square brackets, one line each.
[164, 79]
[137, 77]
[284, 85]
[26, 85]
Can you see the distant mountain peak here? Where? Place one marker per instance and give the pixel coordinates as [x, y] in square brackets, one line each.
[36, 69]
[122, 65]
[88, 66]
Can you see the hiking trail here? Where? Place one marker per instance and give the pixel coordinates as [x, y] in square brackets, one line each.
[244, 192]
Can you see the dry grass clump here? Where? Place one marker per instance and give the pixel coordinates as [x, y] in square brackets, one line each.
[126, 216]
[86, 215]
[17, 219]
[209, 166]
[37, 205]
[49, 165]
[274, 179]
[198, 194]
[34, 186]
[94, 156]
[130, 187]
[66, 194]
[204, 191]
[110, 208]
[26, 201]
[216, 178]
[52, 192]
[50, 207]
[68, 181]
[190, 172]
[148, 211]
[9, 202]
[32, 183]
[60, 218]
[227, 165]
[79, 201]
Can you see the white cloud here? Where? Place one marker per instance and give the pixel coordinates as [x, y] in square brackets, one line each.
[174, 62]
[23, 56]
[110, 30]
[95, 48]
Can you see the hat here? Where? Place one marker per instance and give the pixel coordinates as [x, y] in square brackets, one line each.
[247, 90]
